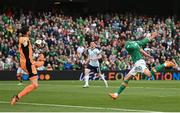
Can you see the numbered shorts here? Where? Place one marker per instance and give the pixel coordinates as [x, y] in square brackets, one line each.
[139, 67]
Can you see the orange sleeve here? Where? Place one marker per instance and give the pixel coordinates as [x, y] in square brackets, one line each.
[20, 40]
[23, 39]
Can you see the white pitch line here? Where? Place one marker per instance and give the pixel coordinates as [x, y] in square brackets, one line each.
[118, 86]
[162, 96]
[71, 106]
[171, 88]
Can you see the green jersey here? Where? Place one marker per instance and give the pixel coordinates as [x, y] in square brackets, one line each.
[133, 48]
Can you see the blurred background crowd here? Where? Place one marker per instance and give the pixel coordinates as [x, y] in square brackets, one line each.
[68, 38]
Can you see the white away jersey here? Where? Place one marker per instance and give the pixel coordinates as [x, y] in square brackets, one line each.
[93, 53]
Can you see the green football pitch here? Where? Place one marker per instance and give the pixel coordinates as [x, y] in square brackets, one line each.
[69, 96]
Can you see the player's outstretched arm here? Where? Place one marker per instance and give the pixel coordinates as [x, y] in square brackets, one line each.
[153, 35]
[146, 40]
[146, 54]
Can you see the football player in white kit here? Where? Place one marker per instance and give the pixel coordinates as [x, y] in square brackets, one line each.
[93, 64]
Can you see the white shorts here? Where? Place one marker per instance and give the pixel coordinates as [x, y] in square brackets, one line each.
[41, 68]
[139, 66]
[20, 71]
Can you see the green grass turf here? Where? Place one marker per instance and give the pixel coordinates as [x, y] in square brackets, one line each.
[52, 95]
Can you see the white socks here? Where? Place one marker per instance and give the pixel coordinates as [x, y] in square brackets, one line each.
[105, 82]
[86, 79]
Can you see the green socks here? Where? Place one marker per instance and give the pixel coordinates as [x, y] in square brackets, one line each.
[122, 87]
[157, 69]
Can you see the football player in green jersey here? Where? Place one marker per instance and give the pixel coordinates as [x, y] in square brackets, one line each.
[136, 52]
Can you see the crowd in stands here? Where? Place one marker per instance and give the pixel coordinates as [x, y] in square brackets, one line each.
[68, 38]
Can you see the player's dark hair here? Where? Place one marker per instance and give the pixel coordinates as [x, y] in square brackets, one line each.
[24, 30]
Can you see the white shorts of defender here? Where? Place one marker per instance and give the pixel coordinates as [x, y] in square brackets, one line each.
[139, 67]
[20, 71]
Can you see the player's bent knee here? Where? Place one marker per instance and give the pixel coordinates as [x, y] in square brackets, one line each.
[36, 85]
[87, 71]
[147, 72]
[125, 82]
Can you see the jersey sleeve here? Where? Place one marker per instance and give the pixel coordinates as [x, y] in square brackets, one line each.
[143, 42]
[22, 40]
[131, 45]
[98, 51]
